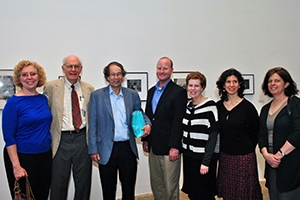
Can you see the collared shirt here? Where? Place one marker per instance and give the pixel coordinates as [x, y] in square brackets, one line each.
[67, 121]
[157, 94]
[119, 113]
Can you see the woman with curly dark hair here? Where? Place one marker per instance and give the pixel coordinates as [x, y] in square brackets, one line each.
[279, 135]
[26, 131]
[238, 118]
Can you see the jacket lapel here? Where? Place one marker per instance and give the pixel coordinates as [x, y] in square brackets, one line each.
[149, 99]
[167, 90]
[127, 104]
[61, 91]
[106, 99]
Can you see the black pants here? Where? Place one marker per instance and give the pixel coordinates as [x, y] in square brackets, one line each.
[274, 194]
[122, 159]
[38, 167]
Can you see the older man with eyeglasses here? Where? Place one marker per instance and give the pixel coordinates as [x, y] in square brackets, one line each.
[68, 99]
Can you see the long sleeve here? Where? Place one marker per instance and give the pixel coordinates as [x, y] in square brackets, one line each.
[9, 122]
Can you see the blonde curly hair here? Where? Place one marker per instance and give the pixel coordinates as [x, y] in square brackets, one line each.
[25, 63]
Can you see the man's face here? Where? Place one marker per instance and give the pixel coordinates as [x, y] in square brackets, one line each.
[115, 77]
[164, 70]
[72, 69]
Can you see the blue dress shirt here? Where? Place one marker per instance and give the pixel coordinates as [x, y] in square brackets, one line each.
[157, 94]
[119, 113]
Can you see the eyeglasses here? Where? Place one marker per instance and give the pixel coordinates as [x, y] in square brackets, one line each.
[26, 74]
[115, 74]
[71, 67]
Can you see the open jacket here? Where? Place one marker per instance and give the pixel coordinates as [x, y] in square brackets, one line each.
[101, 122]
[286, 128]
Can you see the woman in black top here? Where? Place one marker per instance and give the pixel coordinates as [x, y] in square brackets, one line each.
[279, 135]
[238, 118]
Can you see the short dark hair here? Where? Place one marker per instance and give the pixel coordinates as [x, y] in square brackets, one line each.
[106, 69]
[222, 79]
[290, 90]
[198, 76]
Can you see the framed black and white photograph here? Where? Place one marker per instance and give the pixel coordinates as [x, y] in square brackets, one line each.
[137, 81]
[249, 83]
[179, 78]
[7, 87]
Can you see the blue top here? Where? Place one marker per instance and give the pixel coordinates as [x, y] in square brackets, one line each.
[119, 113]
[157, 94]
[26, 122]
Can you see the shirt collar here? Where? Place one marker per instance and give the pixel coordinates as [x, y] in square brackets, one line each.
[112, 92]
[163, 87]
[77, 84]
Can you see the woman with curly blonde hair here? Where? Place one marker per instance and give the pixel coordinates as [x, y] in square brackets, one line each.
[26, 131]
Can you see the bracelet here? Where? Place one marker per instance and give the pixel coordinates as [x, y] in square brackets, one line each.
[282, 153]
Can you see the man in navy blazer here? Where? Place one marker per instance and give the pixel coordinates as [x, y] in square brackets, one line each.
[111, 140]
[166, 103]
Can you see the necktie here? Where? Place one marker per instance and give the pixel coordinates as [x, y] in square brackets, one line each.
[75, 109]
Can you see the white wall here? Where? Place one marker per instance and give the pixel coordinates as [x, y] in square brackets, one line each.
[208, 36]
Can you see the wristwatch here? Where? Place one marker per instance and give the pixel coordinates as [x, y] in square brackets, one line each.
[282, 153]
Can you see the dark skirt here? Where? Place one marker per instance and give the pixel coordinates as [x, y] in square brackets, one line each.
[199, 186]
[238, 177]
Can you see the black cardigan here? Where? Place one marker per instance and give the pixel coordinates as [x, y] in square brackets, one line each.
[286, 128]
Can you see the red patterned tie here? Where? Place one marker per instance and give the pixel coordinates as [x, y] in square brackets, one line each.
[75, 109]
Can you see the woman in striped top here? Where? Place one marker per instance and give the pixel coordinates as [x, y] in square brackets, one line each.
[200, 130]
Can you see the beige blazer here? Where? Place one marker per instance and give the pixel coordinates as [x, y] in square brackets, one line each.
[54, 90]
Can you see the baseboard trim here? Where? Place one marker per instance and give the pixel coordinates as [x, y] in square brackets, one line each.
[149, 195]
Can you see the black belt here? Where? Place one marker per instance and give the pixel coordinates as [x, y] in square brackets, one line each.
[74, 131]
[125, 141]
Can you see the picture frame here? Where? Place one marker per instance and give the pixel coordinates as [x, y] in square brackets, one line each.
[249, 84]
[7, 87]
[137, 81]
[179, 78]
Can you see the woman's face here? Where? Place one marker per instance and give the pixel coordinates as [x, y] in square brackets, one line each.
[232, 85]
[276, 84]
[194, 88]
[29, 78]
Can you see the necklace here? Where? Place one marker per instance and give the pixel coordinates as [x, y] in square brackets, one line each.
[275, 106]
[279, 102]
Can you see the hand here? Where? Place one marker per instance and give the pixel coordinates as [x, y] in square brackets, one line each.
[272, 160]
[173, 154]
[19, 172]
[203, 169]
[95, 157]
[146, 147]
[147, 130]
[278, 155]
